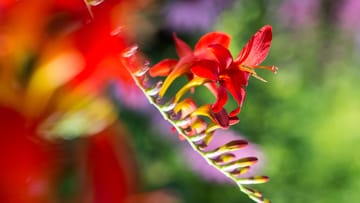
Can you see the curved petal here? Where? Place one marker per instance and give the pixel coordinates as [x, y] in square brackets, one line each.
[181, 68]
[240, 78]
[223, 55]
[206, 69]
[221, 99]
[233, 119]
[256, 50]
[182, 49]
[222, 118]
[212, 87]
[186, 107]
[29, 165]
[197, 81]
[56, 70]
[163, 68]
[109, 166]
[213, 38]
[237, 91]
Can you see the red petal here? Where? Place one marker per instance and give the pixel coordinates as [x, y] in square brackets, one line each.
[163, 68]
[109, 167]
[239, 77]
[5, 4]
[236, 112]
[223, 55]
[237, 91]
[212, 87]
[256, 50]
[222, 118]
[213, 38]
[233, 120]
[206, 69]
[29, 165]
[181, 68]
[221, 99]
[186, 106]
[182, 49]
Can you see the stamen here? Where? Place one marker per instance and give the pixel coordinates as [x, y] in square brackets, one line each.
[273, 69]
[250, 69]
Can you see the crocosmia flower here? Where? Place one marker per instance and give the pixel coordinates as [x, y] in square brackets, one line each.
[209, 64]
[212, 64]
[210, 174]
[56, 60]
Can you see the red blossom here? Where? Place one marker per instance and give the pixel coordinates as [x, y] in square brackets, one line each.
[212, 61]
[56, 58]
[28, 165]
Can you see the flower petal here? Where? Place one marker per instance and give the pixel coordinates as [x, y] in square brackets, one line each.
[109, 168]
[213, 38]
[197, 81]
[181, 68]
[206, 69]
[163, 68]
[186, 107]
[233, 119]
[205, 110]
[236, 90]
[182, 49]
[240, 78]
[50, 76]
[222, 118]
[29, 165]
[256, 50]
[212, 87]
[221, 99]
[223, 56]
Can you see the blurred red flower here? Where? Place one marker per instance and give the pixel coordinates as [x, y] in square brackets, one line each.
[56, 59]
[32, 168]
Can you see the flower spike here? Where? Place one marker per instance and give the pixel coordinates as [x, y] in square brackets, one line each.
[211, 65]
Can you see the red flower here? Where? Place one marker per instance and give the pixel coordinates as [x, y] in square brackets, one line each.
[31, 167]
[55, 62]
[212, 64]
[28, 165]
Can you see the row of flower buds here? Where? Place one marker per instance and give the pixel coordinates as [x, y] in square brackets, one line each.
[197, 123]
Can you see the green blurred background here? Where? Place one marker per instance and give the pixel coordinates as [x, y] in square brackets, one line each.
[305, 119]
